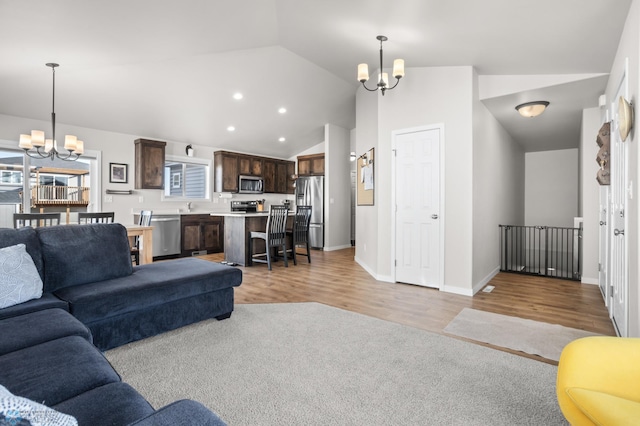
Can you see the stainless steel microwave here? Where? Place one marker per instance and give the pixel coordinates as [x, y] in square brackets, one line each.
[250, 185]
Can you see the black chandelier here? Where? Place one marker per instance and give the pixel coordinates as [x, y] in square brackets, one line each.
[48, 148]
[383, 79]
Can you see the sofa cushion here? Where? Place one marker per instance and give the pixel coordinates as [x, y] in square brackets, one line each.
[149, 285]
[19, 278]
[16, 410]
[47, 301]
[182, 413]
[111, 404]
[28, 237]
[55, 371]
[31, 329]
[80, 254]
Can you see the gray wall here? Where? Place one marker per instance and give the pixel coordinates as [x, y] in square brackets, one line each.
[590, 195]
[551, 188]
[498, 190]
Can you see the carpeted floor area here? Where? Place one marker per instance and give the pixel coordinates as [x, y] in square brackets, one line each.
[532, 337]
[311, 364]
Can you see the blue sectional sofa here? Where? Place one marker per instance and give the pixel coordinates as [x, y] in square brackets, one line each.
[93, 299]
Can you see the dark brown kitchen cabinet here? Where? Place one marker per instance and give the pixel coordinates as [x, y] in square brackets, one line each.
[249, 165]
[311, 165]
[269, 175]
[225, 171]
[201, 233]
[277, 174]
[149, 164]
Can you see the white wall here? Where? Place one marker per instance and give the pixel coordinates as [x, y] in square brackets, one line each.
[498, 190]
[366, 137]
[589, 194]
[119, 148]
[551, 188]
[426, 96]
[629, 47]
[337, 230]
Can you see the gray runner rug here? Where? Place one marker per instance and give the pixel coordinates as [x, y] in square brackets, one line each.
[311, 364]
[532, 337]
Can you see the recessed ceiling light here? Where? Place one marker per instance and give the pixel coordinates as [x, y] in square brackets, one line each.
[231, 128]
[281, 139]
[282, 110]
[237, 96]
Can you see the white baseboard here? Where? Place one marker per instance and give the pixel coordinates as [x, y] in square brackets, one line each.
[480, 285]
[337, 247]
[370, 271]
[589, 280]
[457, 290]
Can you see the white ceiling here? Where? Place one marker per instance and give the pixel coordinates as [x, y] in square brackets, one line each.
[167, 69]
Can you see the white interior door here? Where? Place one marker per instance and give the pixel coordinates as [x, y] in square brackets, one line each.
[619, 271]
[417, 214]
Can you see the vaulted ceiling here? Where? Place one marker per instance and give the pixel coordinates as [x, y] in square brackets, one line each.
[168, 69]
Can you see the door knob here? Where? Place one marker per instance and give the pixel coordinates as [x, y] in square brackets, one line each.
[617, 232]
[434, 216]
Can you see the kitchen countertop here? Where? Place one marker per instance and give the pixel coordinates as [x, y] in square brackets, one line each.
[243, 214]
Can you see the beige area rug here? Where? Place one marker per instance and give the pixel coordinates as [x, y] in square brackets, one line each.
[532, 337]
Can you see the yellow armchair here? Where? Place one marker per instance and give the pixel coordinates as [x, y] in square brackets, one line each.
[599, 381]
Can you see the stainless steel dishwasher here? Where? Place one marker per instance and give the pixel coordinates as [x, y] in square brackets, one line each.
[166, 235]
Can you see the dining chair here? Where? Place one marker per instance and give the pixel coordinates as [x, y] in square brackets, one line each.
[143, 220]
[95, 217]
[35, 219]
[299, 234]
[274, 237]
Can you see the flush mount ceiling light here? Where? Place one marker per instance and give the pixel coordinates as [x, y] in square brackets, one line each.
[48, 148]
[532, 109]
[383, 77]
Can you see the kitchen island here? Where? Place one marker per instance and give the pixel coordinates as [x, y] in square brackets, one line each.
[237, 230]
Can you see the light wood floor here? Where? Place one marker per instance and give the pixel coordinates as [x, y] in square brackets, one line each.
[335, 279]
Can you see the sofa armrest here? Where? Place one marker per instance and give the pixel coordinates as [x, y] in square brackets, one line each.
[601, 364]
[182, 413]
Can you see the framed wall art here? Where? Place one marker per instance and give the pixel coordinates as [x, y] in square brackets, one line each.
[365, 181]
[118, 173]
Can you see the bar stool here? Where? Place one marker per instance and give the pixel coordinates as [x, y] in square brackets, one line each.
[274, 236]
[143, 220]
[299, 234]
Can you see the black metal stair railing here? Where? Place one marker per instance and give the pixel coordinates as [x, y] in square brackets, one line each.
[541, 250]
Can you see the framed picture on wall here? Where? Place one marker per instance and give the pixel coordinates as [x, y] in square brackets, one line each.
[118, 173]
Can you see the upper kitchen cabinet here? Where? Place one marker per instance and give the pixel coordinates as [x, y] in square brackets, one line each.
[249, 165]
[311, 165]
[277, 174]
[225, 171]
[149, 164]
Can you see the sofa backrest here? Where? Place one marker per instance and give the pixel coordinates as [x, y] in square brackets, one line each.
[28, 237]
[80, 254]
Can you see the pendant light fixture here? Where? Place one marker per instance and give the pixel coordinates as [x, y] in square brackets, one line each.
[383, 78]
[48, 148]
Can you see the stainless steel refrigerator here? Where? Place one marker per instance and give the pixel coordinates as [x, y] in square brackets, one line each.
[310, 192]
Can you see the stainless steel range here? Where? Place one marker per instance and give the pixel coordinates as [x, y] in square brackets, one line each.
[244, 206]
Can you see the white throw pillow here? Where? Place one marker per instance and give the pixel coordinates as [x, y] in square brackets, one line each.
[19, 278]
[15, 409]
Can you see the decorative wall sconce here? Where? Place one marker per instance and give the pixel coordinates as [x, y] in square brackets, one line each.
[625, 118]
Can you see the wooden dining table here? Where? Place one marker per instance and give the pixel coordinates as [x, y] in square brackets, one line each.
[146, 245]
